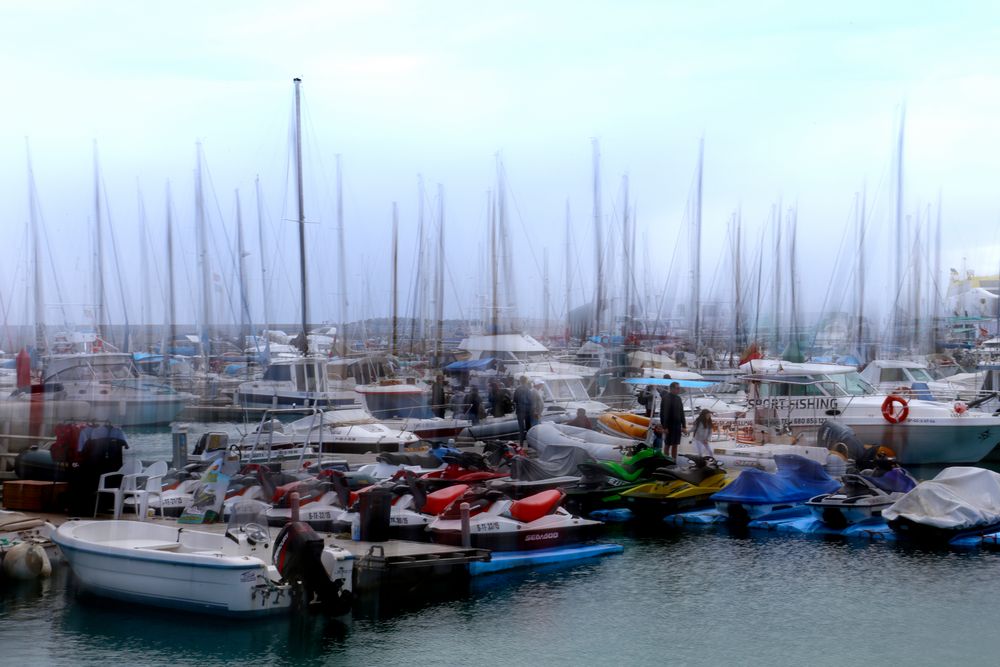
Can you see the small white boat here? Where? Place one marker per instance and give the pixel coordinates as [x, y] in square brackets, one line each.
[230, 573]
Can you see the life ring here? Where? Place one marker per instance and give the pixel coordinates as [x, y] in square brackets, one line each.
[889, 411]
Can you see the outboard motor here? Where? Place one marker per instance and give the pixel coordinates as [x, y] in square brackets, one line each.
[840, 439]
[299, 555]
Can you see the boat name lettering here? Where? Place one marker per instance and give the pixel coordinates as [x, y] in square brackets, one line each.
[540, 536]
[783, 403]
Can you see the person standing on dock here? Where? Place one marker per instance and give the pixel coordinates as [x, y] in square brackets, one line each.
[475, 403]
[672, 420]
[438, 400]
[523, 407]
[702, 433]
[537, 403]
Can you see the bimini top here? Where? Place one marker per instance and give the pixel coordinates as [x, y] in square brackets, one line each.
[516, 343]
[778, 367]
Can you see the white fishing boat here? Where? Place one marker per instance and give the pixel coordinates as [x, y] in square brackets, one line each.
[301, 382]
[796, 398]
[175, 566]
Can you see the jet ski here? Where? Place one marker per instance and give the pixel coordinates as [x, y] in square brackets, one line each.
[500, 523]
[413, 510]
[677, 488]
[461, 468]
[324, 501]
[603, 482]
[756, 493]
[960, 501]
[857, 500]
[388, 464]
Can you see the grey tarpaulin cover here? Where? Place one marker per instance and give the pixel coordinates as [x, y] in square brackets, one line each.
[598, 445]
[959, 497]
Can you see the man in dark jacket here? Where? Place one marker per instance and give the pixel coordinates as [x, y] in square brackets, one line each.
[523, 401]
[438, 400]
[672, 419]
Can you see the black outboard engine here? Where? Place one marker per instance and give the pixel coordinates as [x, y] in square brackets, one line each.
[298, 554]
[840, 439]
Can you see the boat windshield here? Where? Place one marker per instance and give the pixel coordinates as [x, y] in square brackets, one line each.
[567, 390]
[847, 384]
[920, 375]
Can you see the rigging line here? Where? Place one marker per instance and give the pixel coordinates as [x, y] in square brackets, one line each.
[48, 248]
[517, 209]
[149, 245]
[227, 286]
[118, 265]
[13, 285]
[833, 278]
[670, 269]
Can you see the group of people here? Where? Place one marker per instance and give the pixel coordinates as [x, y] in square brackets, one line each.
[673, 423]
[528, 405]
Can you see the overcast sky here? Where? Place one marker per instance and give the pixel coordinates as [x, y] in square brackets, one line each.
[797, 104]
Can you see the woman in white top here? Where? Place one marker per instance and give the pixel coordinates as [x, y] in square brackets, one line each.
[702, 433]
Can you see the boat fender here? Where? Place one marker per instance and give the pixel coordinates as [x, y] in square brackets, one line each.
[26, 561]
[889, 412]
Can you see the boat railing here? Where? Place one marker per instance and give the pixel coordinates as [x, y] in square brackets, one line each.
[272, 414]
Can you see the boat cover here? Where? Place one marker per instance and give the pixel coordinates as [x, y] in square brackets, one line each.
[470, 365]
[959, 497]
[598, 445]
[563, 461]
[797, 479]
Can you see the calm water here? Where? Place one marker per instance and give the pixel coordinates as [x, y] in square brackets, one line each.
[696, 597]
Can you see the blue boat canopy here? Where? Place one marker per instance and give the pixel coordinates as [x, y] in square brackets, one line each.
[470, 365]
[798, 479]
[666, 382]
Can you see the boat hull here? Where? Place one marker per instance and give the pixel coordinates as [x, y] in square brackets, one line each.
[922, 443]
[206, 583]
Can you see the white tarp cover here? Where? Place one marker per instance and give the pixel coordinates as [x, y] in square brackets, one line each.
[600, 446]
[958, 498]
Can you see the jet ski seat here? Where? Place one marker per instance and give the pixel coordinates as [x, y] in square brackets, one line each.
[438, 500]
[535, 507]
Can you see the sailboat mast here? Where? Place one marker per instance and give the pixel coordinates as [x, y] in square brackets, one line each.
[171, 303]
[341, 255]
[263, 255]
[696, 253]
[938, 278]
[598, 241]
[494, 268]
[439, 282]
[900, 230]
[302, 216]
[861, 272]
[545, 293]
[206, 283]
[569, 276]
[242, 270]
[99, 249]
[626, 256]
[395, 277]
[36, 249]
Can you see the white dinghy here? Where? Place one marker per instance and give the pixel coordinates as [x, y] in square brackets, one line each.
[227, 573]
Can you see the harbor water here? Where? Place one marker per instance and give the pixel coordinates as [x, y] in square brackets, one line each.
[695, 596]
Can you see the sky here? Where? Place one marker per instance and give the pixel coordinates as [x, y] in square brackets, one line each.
[798, 106]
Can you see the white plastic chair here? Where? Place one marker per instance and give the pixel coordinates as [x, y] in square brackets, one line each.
[148, 483]
[130, 468]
